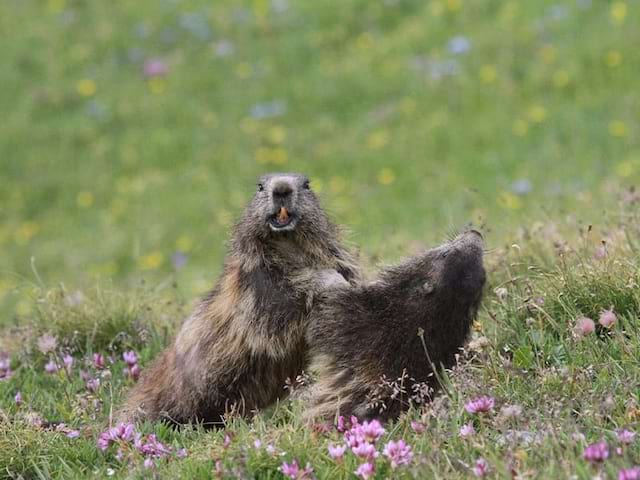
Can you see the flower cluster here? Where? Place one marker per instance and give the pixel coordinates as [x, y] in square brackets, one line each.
[133, 369]
[292, 470]
[481, 404]
[128, 442]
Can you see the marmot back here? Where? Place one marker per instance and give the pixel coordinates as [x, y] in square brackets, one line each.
[247, 336]
[368, 340]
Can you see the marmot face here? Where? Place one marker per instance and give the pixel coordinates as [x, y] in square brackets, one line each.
[284, 203]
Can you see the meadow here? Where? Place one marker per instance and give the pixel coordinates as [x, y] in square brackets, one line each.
[132, 136]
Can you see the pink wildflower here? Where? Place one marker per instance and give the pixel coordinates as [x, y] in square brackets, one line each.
[98, 361]
[93, 384]
[155, 67]
[584, 326]
[51, 367]
[418, 427]
[149, 463]
[625, 436]
[67, 360]
[467, 430]
[227, 440]
[134, 371]
[341, 424]
[182, 453]
[130, 358]
[365, 471]
[73, 434]
[5, 367]
[290, 470]
[18, 398]
[398, 452]
[596, 452]
[480, 404]
[481, 468]
[47, 343]
[371, 431]
[629, 474]
[607, 318]
[365, 450]
[337, 452]
[257, 443]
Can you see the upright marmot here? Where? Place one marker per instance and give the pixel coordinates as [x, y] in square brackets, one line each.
[247, 336]
[377, 347]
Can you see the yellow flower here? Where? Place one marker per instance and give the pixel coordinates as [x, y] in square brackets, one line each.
[613, 58]
[378, 140]
[84, 199]
[386, 176]
[537, 113]
[488, 73]
[151, 261]
[548, 54]
[617, 128]
[243, 70]
[184, 243]
[520, 127]
[454, 5]
[561, 79]
[618, 12]
[86, 87]
[157, 85]
[26, 232]
[509, 200]
[277, 134]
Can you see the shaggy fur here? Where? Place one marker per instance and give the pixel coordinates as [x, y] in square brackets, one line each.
[241, 343]
[376, 347]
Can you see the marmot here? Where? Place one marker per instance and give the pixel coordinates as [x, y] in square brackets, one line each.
[247, 336]
[377, 347]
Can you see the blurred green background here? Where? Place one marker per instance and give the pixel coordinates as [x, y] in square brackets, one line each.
[132, 132]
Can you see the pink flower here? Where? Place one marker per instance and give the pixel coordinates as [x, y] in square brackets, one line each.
[480, 404]
[584, 326]
[149, 463]
[98, 361]
[371, 431]
[130, 358]
[5, 367]
[596, 452]
[418, 427]
[290, 470]
[340, 424]
[365, 450]
[47, 343]
[227, 440]
[18, 398]
[625, 436]
[467, 430]
[51, 367]
[93, 384]
[257, 443]
[152, 447]
[134, 371]
[337, 452]
[398, 452]
[365, 471]
[629, 474]
[124, 432]
[155, 67]
[73, 434]
[607, 318]
[182, 453]
[481, 468]
[67, 360]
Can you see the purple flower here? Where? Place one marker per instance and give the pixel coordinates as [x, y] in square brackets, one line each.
[365, 471]
[365, 450]
[152, 447]
[481, 468]
[149, 463]
[73, 433]
[371, 431]
[596, 452]
[51, 367]
[5, 367]
[155, 67]
[625, 436]
[134, 371]
[337, 452]
[182, 453]
[341, 424]
[130, 358]
[47, 343]
[257, 443]
[418, 427]
[290, 470]
[93, 384]
[67, 360]
[398, 452]
[459, 45]
[123, 431]
[629, 474]
[98, 361]
[467, 430]
[18, 398]
[607, 318]
[480, 405]
[584, 326]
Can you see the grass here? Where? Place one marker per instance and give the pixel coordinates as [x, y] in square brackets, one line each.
[411, 118]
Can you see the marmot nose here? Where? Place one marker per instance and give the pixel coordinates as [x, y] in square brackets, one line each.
[282, 189]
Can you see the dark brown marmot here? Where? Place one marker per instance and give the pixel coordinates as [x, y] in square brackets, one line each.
[377, 347]
[247, 336]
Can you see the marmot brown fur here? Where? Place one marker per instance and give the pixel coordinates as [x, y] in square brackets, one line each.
[377, 347]
[247, 336]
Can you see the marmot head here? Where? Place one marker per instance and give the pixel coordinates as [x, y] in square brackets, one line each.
[456, 268]
[285, 205]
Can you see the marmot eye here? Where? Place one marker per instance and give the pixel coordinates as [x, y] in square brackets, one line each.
[260, 187]
[306, 185]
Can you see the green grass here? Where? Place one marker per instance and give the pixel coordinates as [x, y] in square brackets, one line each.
[531, 133]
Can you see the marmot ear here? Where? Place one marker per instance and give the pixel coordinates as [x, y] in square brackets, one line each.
[428, 287]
